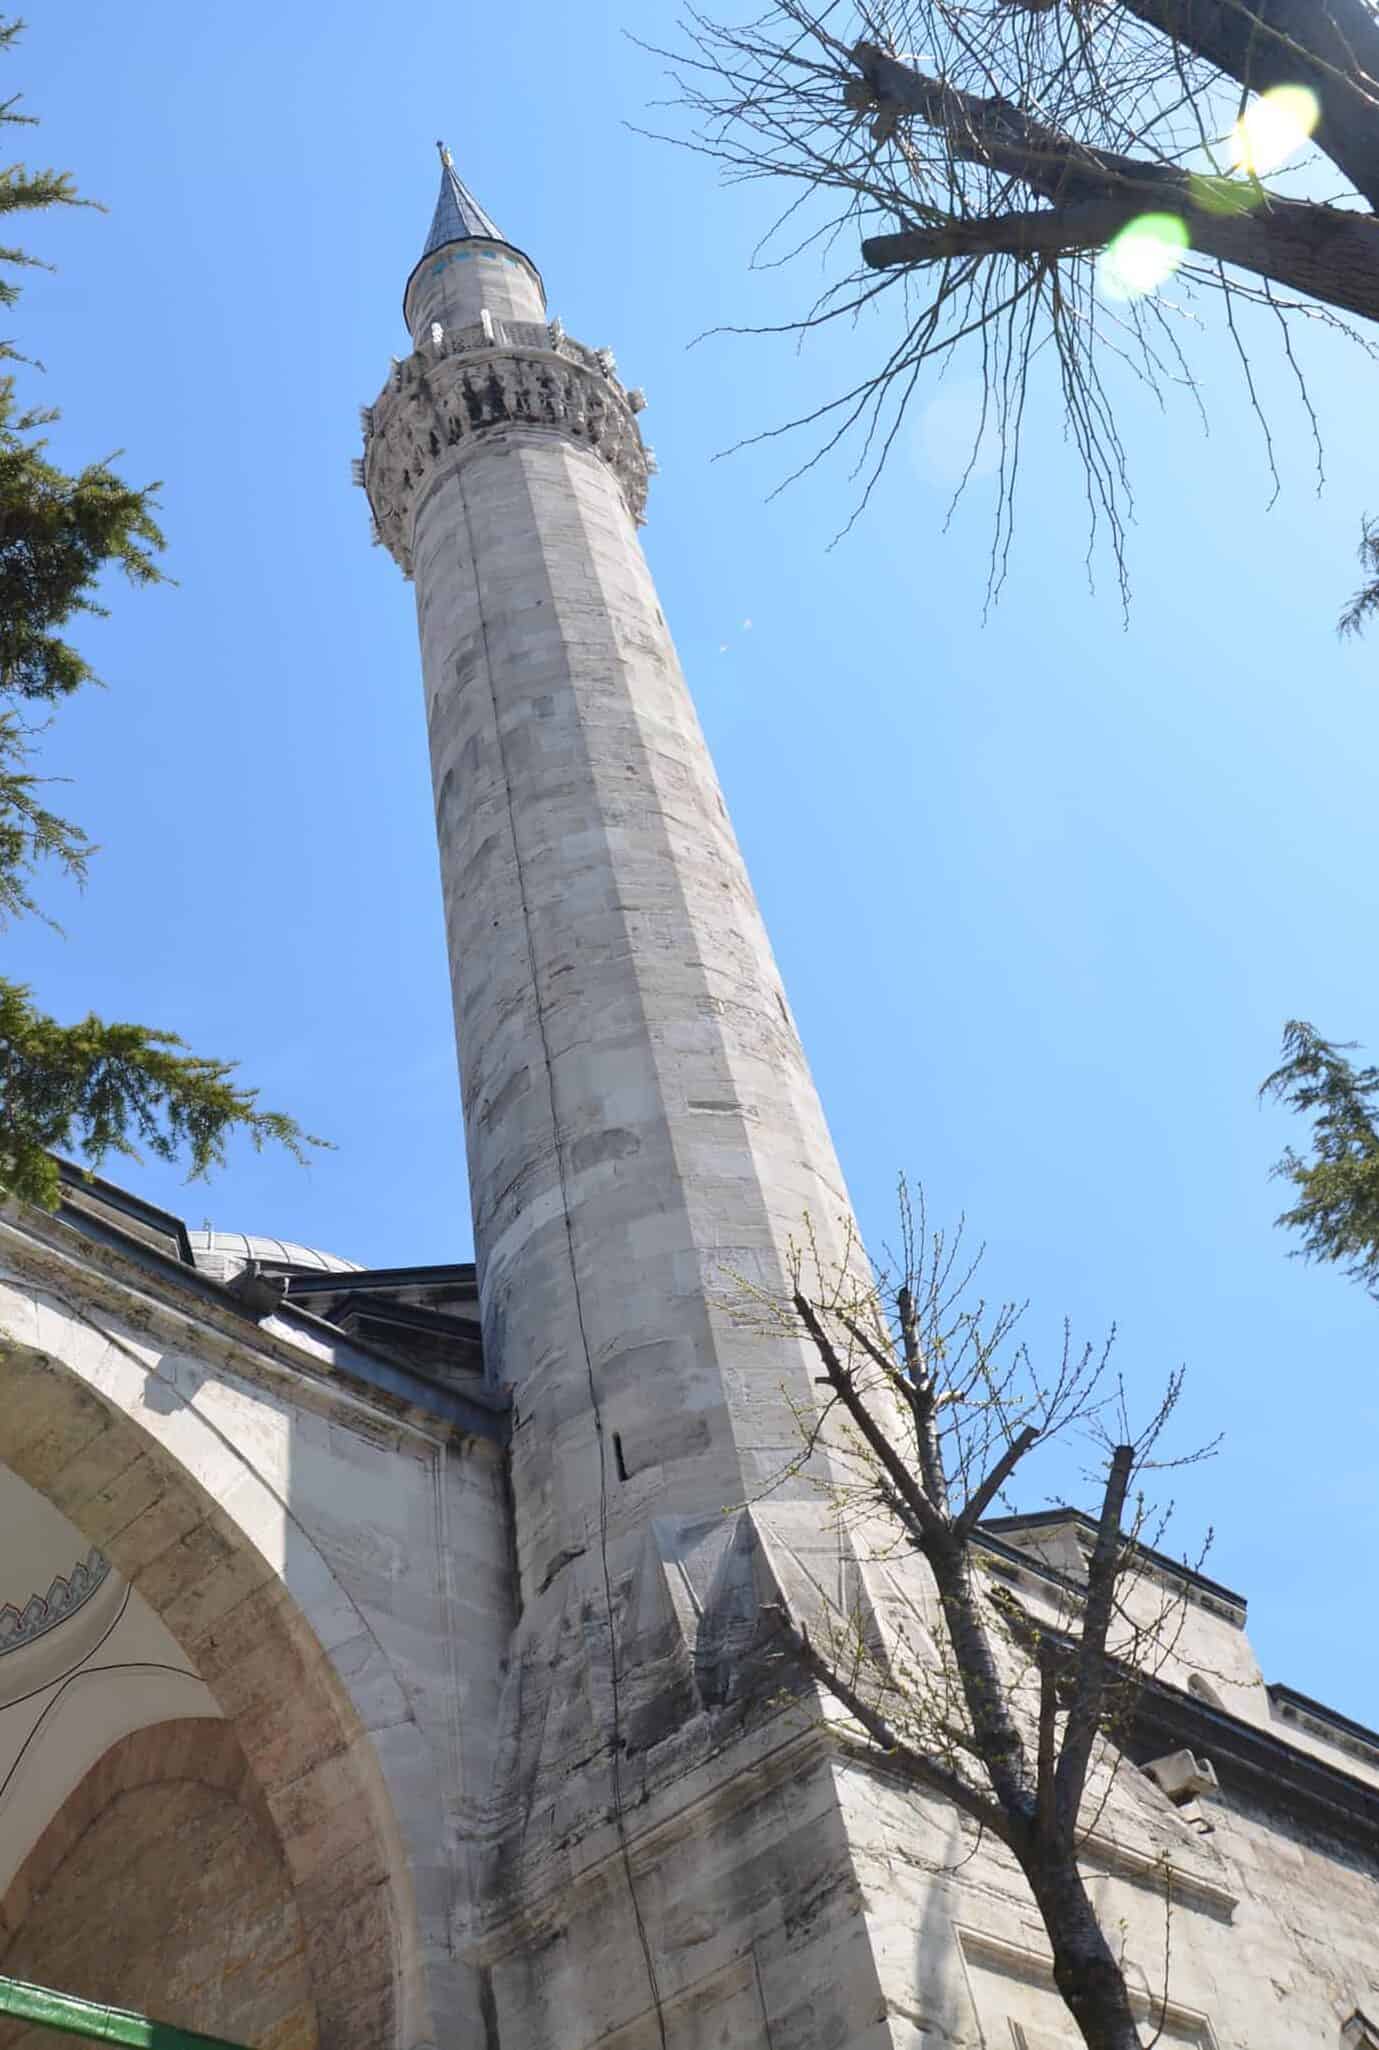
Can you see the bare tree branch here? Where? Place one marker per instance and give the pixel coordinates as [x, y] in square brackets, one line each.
[991, 1487]
[1009, 1711]
[1085, 1714]
[924, 1771]
[927, 1523]
[1333, 50]
[979, 156]
[1330, 252]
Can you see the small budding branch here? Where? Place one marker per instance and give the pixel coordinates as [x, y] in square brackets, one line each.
[931, 1410]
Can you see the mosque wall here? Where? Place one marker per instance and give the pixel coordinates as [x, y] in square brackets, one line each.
[332, 1566]
[794, 1896]
[308, 1735]
[160, 1885]
[1250, 1926]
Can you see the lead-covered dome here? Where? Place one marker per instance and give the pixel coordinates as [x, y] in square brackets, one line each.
[224, 1254]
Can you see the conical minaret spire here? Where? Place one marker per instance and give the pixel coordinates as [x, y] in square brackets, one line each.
[468, 267]
[458, 216]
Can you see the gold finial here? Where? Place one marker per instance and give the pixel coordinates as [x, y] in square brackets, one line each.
[446, 157]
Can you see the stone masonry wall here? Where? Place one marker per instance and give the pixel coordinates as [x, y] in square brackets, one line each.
[640, 1121]
[453, 285]
[1260, 1931]
[336, 1570]
[160, 1885]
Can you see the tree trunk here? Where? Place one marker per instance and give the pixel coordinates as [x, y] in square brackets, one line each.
[1331, 253]
[999, 1742]
[1324, 251]
[1085, 1968]
[1333, 49]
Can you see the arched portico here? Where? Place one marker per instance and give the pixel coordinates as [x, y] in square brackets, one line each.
[203, 1923]
[111, 1432]
[322, 1532]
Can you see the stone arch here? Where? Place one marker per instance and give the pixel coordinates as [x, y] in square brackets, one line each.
[202, 1929]
[113, 1437]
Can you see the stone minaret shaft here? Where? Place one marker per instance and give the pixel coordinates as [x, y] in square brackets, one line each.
[642, 1130]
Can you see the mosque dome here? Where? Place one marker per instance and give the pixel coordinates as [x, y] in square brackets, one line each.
[224, 1254]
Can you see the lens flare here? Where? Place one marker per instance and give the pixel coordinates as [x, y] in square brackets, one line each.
[1212, 194]
[958, 435]
[1143, 256]
[1273, 128]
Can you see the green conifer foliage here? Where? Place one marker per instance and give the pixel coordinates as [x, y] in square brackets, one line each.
[1337, 1211]
[95, 1087]
[1364, 606]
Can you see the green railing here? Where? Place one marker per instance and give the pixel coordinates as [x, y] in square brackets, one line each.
[42, 2008]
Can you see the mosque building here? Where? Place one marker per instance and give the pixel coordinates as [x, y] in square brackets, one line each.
[381, 1651]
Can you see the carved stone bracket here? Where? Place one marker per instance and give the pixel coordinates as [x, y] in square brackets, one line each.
[462, 387]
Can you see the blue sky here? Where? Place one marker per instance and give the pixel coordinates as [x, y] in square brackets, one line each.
[1043, 890]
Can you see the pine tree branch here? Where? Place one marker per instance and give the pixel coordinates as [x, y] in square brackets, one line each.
[1364, 604]
[29, 832]
[99, 1088]
[1337, 1211]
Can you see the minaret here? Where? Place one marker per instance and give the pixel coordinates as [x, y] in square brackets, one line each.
[640, 1122]
[643, 1135]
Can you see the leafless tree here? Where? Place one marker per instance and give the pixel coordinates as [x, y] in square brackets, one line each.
[1006, 168]
[1008, 1710]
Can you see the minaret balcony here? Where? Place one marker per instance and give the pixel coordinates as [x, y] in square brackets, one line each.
[463, 384]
